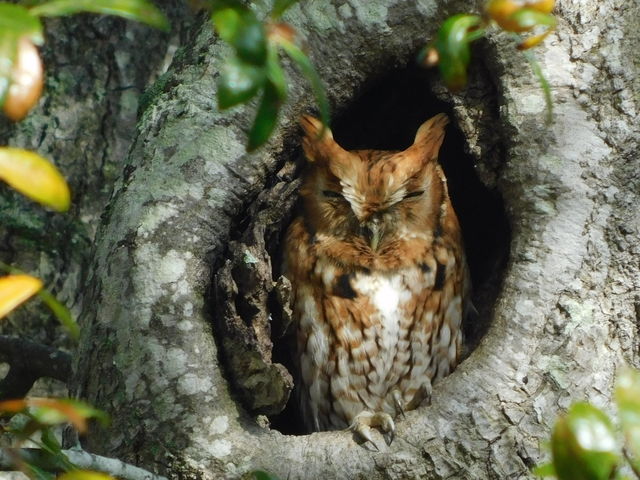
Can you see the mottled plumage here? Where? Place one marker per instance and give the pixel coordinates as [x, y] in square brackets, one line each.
[379, 278]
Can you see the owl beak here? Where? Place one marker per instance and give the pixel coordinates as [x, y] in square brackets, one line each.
[372, 232]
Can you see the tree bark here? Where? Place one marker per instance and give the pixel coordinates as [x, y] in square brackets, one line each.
[567, 312]
[97, 69]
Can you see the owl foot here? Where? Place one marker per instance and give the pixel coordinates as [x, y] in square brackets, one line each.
[366, 420]
[422, 396]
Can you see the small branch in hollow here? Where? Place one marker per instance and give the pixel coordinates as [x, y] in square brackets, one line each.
[80, 458]
[28, 362]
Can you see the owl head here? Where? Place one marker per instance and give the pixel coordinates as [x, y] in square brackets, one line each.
[373, 197]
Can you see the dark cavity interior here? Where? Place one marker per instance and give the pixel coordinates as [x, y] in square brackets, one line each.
[386, 117]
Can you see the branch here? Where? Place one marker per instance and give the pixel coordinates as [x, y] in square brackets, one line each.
[30, 361]
[81, 459]
[631, 462]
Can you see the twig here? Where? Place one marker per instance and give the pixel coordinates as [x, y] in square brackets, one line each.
[80, 458]
[631, 463]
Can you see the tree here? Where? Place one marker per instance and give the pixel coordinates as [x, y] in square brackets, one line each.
[190, 208]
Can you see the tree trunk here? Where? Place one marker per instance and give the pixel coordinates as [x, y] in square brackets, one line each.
[97, 68]
[189, 240]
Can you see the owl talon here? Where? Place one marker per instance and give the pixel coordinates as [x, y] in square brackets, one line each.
[364, 432]
[365, 421]
[398, 402]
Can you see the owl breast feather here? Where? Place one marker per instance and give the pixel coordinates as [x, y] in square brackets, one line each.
[383, 332]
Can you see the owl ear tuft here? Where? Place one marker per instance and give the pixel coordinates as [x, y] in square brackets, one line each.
[318, 142]
[430, 136]
[313, 128]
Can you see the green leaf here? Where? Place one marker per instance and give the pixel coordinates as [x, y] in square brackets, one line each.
[280, 6]
[266, 118]
[452, 43]
[309, 71]
[262, 475]
[583, 445]
[227, 15]
[226, 21]
[17, 21]
[49, 441]
[39, 474]
[56, 461]
[250, 40]
[544, 470]
[139, 10]
[61, 312]
[275, 73]
[238, 83]
[50, 411]
[239, 26]
[222, 4]
[627, 396]
[89, 411]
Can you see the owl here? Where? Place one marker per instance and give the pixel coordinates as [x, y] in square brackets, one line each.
[379, 277]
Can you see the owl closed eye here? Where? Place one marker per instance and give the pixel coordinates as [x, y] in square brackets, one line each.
[379, 278]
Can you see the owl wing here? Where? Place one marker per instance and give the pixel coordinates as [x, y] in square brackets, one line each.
[452, 288]
[300, 261]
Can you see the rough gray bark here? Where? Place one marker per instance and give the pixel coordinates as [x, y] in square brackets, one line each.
[566, 316]
[96, 72]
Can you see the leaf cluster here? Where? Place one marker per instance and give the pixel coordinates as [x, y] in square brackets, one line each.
[587, 445]
[39, 416]
[451, 50]
[255, 68]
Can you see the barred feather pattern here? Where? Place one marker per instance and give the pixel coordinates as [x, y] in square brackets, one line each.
[379, 277]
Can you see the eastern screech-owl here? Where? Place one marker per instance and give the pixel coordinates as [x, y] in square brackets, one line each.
[379, 278]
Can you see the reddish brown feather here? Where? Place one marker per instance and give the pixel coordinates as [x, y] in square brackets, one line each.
[354, 349]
